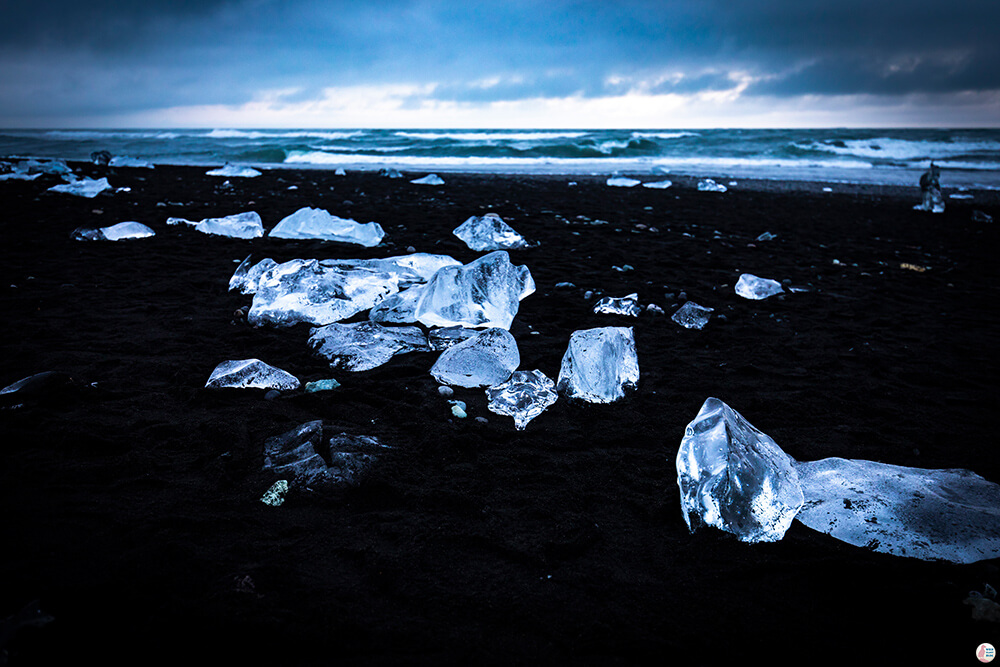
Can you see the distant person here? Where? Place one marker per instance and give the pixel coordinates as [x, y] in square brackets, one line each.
[930, 187]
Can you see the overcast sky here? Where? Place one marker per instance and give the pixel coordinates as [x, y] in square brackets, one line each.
[530, 63]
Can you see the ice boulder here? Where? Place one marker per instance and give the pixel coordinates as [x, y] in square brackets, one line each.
[735, 478]
[622, 182]
[692, 316]
[233, 170]
[250, 374]
[483, 293]
[489, 232]
[429, 179]
[362, 346]
[524, 396]
[599, 365]
[486, 359]
[315, 223]
[247, 225]
[626, 305]
[85, 187]
[123, 230]
[948, 514]
[709, 185]
[751, 287]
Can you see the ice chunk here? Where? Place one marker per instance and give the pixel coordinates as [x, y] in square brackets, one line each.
[692, 316]
[296, 454]
[418, 267]
[524, 396]
[767, 236]
[483, 293]
[930, 187]
[948, 514]
[123, 230]
[622, 182]
[233, 170]
[85, 187]
[599, 365]
[321, 385]
[429, 179]
[735, 478]
[626, 305]
[247, 225]
[751, 287]
[125, 161]
[250, 374]
[51, 167]
[388, 172]
[364, 345]
[709, 185]
[442, 339]
[303, 290]
[399, 308]
[315, 223]
[658, 185]
[489, 232]
[340, 172]
[247, 274]
[484, 360]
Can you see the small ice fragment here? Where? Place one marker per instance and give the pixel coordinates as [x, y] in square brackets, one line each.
[626, 305]
[623, 268]
[321, 385]
[767, 236]
[489, 232]
[275, 496]
[340, 172]
[658, 185]
[250, 374]
[960, 196]
[123, 230]
[751, 287]
[362, 346]
[735, 478]
[599, 364]
[429, 179]
[388, 172]
[622, 182]
[446, 391]
[315, 223]
[85, 187]
[733, 184]
[980, 216]
[709, 185]
[484, 360]
[692, 316]
[827, 189]
[524, 396]
[233, 170]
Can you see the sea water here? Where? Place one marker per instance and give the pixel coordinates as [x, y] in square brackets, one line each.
[967, 157]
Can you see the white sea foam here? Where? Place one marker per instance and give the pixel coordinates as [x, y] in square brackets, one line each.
[886, 148]
[491, 136]
[254, 134]
[664, 135]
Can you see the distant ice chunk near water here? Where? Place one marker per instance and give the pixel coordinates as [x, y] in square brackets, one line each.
[123, 230]
[735, 478]
[362, 346]
[622, 182]
[388, 172]
[85, 187]
[948, 514]
[315, 223]
[486, 359]
[126, 161]
[709, 185]
[489, 232]
[429, 179]
[246, 225]
[250, 374]
[483, 293]
[626, 305]
[658, 185]
[524, 396]
[599, 364]
[692, 316]
[750, 286]
[232, 170]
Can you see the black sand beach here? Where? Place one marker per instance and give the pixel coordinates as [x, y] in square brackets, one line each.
[131, 499]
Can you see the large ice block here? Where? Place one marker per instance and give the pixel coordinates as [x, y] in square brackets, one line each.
[942, 514]
[315, 223]
[750, 286]
[362, 346]
[524, 396]
[692, 316]
[250, 374]
[626, 305]
[489, 232]
[123, 230]
[484, 360]
[85, 187]
[735, 478]
[418, 267]
[622, 182]
[599, 365]
[483, 293]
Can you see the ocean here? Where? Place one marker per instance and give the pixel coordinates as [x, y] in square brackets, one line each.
[968, 158]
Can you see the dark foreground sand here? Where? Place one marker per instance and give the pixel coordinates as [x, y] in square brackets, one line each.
[132, 510]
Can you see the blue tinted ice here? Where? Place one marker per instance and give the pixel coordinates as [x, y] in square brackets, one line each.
[524, 396]
[751, 287]
[429, 179]
[250, 374]
[489, 232]
[658, 185]
[364, 345]
[315, 223]
[622, 182]
[692, 316]
[248, 274]
[486, 359]
[298, 454]
[85, 187]
[247, 225]
[233, 170]
[626, 305]
[709, 185]
[599, 365]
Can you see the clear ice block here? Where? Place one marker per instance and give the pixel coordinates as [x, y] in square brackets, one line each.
[599, 365]
[486, 359]
[364, 345]
[709, 185]
[751, 287]
[524, 396]
[250, 374]
[489, 232]
[692, 316]
[626, 305]
[429, 179]
[315, 223]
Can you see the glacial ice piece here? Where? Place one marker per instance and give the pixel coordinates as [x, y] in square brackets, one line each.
[126, 161]
[296, 454]
[247, 225]
[85, 187]
[622, 182]
[658, 185]
[949, 514]
[302, 290]
[709, 185]
[51, 167]
[388, 172]
[315, 223]
[443, 338]
[250, 374]
[599, 365]
[247, 274]
[418, 267]
[484, 360]
[734, 477]
[524, 396]
[930, 188]
[233, 170]
[981, 216]
[751, 287]
[362, 346]
[626, 305]
[399, 308]
[429, 179]
[123, 230]
[483, 293]
[489, 232]
[692, 316]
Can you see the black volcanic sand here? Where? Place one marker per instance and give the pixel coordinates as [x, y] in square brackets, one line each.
[131, 497]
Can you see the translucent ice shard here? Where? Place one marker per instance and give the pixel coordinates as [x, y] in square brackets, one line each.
[599, 365]
[418, 267]
[246, 225]
[85, 187]
[233, 170]
[484, 360]
[126, 161]
[364, 345]
[626, 305]
[489, 232]
[123, 230]
[692, 316]
[315, 223]
[622, 182]
[483, 293]
[248, 274]
[735, 478]
[429, 179]
[947, 514]
[443, 338]
[658, 185]
[709, 185]
[524, 396]
[400, 308]
[751, 287]
[250, 374]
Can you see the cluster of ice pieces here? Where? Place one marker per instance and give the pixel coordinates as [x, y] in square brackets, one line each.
[315, 223]
[626, 305]
[735, 478]
[250, 374]
[29, 170]
[489, 232]
[709, 185]
[246, 225]
[123, 230]
[750, 286]
[295, 454]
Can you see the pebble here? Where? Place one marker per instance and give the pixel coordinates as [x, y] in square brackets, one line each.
[447, 392]
[272, 394]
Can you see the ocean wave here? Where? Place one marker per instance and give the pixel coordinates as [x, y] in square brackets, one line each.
[280, 134]
[91, 135]
[664, 135]
[490, 136]
[887, 148]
